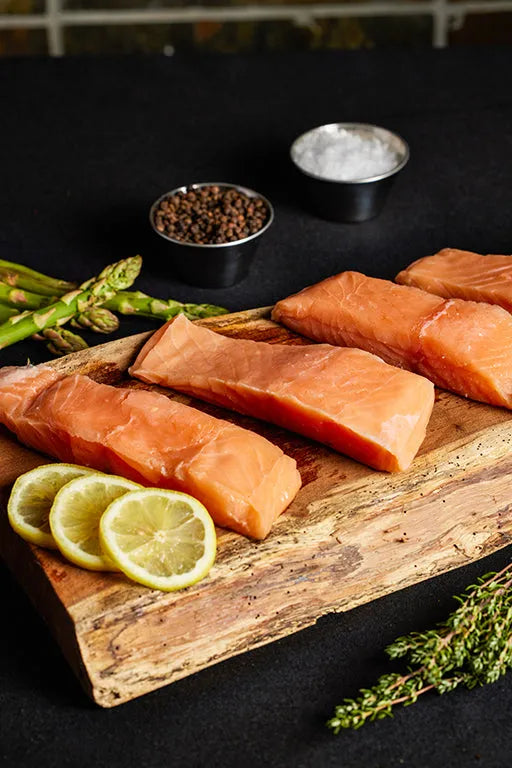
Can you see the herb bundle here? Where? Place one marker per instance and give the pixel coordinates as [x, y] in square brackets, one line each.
[473, 647]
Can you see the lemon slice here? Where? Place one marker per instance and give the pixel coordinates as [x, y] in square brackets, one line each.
[75, 516]
[162, 539]
[31, 499]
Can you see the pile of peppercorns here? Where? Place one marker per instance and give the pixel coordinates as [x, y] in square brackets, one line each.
[210, 215]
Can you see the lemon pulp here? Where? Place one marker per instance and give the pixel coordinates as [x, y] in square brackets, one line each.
[75, 516]
[163, 539]
[31, 499]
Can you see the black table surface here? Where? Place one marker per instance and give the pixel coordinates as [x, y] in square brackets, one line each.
[85, 147]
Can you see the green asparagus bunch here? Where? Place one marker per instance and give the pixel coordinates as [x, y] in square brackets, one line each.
[98, 319]
[473, 647]
[34, 304]
[95, 291]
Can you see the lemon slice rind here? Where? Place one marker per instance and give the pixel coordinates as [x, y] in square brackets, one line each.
[32, 496]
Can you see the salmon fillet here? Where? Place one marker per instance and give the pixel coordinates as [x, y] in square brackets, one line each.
[346, 398]
[453, 273]
[243, 480]
[460, 345]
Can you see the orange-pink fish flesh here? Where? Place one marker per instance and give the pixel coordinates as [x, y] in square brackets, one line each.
[453, 273]
[346, 398]
[460, 345]
[244, 480]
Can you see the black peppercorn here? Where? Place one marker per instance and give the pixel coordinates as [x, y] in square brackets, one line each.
[210, 215]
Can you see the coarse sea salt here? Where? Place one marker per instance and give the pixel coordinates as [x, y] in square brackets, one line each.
[341, 154]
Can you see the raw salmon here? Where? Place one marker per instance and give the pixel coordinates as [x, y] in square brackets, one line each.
[463, 346]
[346, 398]
[244, 481]
[452, 273]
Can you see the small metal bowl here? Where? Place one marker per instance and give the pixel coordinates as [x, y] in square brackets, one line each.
[351, 200]
[215, 265]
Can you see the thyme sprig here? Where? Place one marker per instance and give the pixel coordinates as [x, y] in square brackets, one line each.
[473, 647]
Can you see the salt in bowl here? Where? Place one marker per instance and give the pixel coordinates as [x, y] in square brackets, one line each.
[347, 169]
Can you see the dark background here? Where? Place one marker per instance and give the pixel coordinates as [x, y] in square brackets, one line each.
[85, 147]
[291, 31]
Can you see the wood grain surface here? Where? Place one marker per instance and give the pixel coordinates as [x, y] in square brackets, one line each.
[351, 535]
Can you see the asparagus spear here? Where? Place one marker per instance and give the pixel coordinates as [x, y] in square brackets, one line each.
[23, 299]
[125, 302]
[6, 312]
[19, 276]
[61, 341]
[138, 303]
[95, 291]
[98, 319]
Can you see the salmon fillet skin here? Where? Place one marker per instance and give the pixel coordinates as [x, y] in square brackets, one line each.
[453, 273]
[243, 480]
[463, 346]
[346, 398]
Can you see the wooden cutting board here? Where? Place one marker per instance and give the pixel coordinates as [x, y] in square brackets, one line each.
[351, 535]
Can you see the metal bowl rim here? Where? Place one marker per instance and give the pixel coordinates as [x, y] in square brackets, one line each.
[367, 179]
[184, 187]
